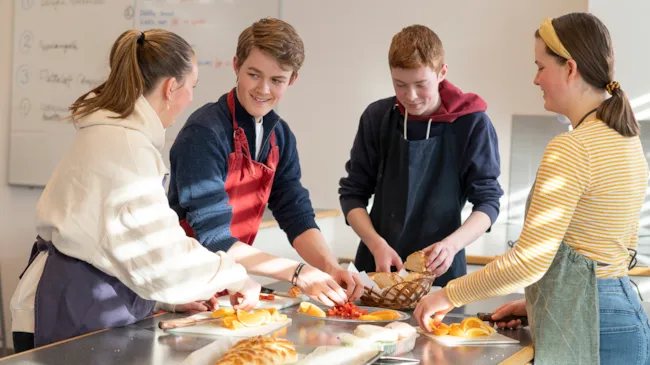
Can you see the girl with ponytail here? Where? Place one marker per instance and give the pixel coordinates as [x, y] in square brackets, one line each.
[582, 216]
[109, 249]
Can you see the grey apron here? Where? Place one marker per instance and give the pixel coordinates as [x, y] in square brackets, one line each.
[74, 298]
[563, 310]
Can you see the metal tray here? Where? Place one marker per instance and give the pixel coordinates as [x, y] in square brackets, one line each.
[404, 316]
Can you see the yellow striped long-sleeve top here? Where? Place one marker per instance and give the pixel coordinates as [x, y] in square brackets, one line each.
[589, 192]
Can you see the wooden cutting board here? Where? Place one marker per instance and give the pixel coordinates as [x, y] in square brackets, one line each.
[450, 341]
[278, 303]
[214, 328]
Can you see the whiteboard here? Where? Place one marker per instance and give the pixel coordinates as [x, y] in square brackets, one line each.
[61, 50]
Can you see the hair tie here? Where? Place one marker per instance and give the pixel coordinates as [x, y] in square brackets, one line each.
[613, 85]
[141, 38]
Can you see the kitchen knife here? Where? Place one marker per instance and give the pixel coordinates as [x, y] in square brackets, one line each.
[185, 322]
[488, 318]
[266, 290]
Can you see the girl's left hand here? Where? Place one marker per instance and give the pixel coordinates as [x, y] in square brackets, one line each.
[436, 303]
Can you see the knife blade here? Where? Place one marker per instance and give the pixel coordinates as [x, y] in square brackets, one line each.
[488, 318]
[396, 360]
[266, 290]
[185, 322]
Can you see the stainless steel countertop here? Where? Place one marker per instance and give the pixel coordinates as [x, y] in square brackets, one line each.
[144, 343]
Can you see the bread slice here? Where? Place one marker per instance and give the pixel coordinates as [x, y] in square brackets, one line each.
[412, 276]
[416, 262]
[386, 279]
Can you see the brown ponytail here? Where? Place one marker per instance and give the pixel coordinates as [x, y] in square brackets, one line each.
[138, 61]
[617, 113]
[588, 41]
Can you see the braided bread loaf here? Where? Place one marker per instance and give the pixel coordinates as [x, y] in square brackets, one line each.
[260, 350]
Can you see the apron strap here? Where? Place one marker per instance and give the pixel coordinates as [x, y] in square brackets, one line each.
[239, 141]
[231, 106]
[39, 246]
[630, 266]
[633, 262]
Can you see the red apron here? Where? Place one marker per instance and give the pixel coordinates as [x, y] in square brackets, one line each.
[248, 183]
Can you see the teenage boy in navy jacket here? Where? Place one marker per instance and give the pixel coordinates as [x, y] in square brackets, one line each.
[234, 156]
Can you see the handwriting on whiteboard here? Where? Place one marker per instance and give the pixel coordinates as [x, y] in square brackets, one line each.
[52, 77]
[66, 79]
[51, 112]
[64, 47]
[90, 83]
[55, 4]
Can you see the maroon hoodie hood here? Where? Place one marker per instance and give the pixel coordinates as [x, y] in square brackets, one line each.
[454, 104]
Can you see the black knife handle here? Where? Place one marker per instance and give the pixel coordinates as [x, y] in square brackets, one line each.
[488, 317]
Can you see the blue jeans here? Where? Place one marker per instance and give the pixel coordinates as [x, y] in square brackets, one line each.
[624, 325]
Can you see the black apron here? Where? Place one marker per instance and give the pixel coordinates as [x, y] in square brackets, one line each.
[418, 198]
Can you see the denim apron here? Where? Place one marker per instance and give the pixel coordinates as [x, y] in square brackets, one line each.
[563, 307]
[418, 200]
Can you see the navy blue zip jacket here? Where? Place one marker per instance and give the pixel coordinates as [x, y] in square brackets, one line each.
[199, 167]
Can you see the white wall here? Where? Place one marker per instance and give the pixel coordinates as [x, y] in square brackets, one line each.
[627, 21]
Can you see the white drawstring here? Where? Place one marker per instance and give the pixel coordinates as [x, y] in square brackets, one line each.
[406, 119]
[406, 116]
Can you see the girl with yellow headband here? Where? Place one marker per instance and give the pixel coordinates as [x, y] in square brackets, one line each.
[582, 215]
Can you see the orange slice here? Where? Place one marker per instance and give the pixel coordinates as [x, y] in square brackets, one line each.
[255, 319]
[440, 330]
[231, 323]
[456, 330]
[281, 318]
[471, 322]
[303, 307]
[312, 310]
[477, 332]
[316, 312]
[222, 312]
[369, 317]
[272, 311]
[390, 315]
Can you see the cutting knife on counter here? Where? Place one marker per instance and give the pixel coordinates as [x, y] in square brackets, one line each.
[269, 291]
[487, 317]
[396, 360]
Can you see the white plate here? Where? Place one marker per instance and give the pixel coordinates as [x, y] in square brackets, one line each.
[403, 315]
[210, 354]
[451, 341]
[216, 329]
